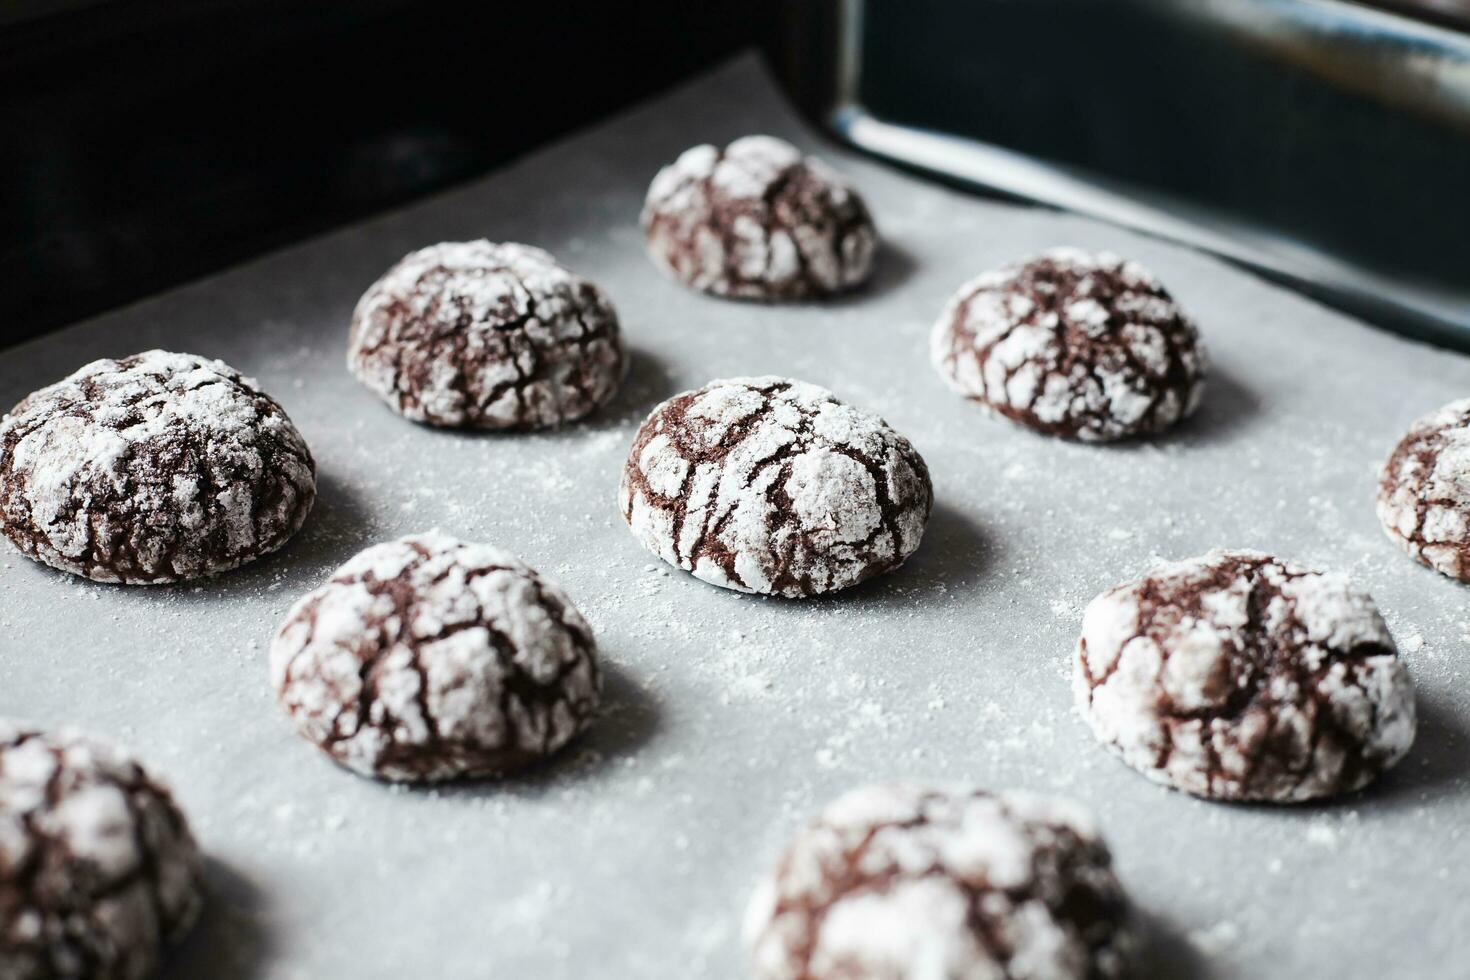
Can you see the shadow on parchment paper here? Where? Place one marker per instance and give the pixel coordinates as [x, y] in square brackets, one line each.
[629, 719]
[893, 266]
[1437, 766]
[1163, 953]
[1226, 405]
[230, 941]
[339, 526]
[646, 385]
[954, 554]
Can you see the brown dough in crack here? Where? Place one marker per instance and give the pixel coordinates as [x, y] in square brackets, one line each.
[1070, 344]
[153, 468]
[759, 221]
[774, 486]
[98, 869]
[907, 881]
[427, 658]
[1237, 676]
[487, 336]
[1424, 491]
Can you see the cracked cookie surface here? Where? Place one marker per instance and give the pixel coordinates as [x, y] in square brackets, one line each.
[897, 882]
[98, 869]
[154, 468]
[1070, 344]
[1424, 491]
[425, 658]
[774, 486]
[759, 221]
[487, 336]
[1236, 676]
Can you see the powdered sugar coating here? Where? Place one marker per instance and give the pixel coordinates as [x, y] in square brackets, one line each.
[1237, 676]
[98, 870]
[757, 220]
[907, 882]
[1082, 346]
[1424, 491]
[428, 659]
[774, 486]
[153, 468]
[487, 336]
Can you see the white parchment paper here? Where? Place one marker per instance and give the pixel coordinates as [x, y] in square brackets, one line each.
[732, 718]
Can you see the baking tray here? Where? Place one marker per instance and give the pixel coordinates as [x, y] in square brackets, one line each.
[1321, 143]
[731, 718]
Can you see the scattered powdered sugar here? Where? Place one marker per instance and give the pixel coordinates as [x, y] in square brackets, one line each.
[1237, 676]
[1083, 346]
[908, 881]
[1424, 491]
[427, 658]
[100, 870]
[1322, 834]
[487, 335]
[153, 468]
[759, 221]
[774, 486]
[1216, 939]
[734, 779]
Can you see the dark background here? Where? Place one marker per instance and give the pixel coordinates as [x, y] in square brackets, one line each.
[1284, 136]
[145, 142]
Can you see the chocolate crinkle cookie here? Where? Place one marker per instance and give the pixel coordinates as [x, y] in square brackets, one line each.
[487, 336]
[1070, 344]
[774, 486]
[153, 468]
[757, 220]
[907, 882]
[427, 658]
[1237, 676]
[1424, 491]
[98, 870]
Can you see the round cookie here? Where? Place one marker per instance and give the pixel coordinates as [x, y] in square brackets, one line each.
[1081, 346]
[903, 881]
[154, 468]
[98, 870]
[757, 220]
[1424, 491]
[774, 486]
[1237, 676]
[425, 659]
[486, 336]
